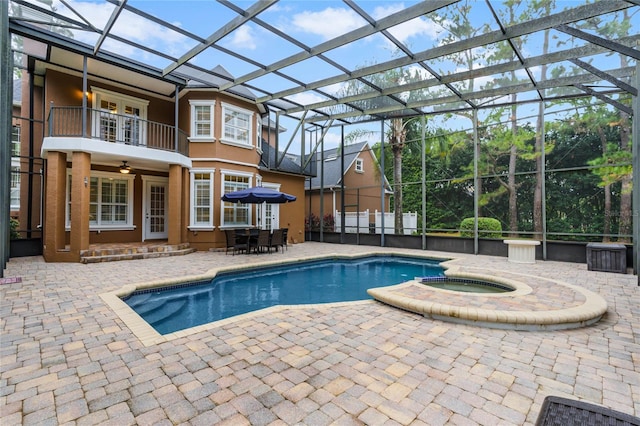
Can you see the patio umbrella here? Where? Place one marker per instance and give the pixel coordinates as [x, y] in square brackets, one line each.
[258, 195]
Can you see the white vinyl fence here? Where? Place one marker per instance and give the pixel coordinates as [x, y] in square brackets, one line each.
[355, 222]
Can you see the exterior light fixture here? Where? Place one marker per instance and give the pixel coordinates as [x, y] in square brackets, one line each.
[125, 168]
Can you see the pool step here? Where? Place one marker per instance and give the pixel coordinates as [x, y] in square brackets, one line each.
[164, 310]
[130, 252]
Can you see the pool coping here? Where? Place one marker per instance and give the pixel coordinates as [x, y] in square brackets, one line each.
[590, 312]
[438, 304]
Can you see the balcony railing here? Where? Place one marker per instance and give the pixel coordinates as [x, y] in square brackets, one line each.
[116, 128]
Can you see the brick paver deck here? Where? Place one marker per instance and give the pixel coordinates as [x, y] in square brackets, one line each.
[67, 358]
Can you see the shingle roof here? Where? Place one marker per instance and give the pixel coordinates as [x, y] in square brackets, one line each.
[199, 80]
[332, 172]
[288, 165]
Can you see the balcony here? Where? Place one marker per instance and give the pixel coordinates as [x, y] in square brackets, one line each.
[125, 129]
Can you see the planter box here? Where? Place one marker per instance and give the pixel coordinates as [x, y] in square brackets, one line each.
[607, 257]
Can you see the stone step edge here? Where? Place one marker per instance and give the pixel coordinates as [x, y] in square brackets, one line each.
[134, 256]
[134, 250]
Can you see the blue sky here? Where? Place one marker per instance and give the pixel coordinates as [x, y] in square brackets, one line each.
[310, 22]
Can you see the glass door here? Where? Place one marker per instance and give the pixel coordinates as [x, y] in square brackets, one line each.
[155, 211]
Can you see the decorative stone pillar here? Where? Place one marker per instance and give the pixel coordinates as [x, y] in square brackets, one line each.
[175, 204]
[80, 195]
[54, 220]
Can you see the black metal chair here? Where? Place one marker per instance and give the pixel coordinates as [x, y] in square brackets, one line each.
[235, 242]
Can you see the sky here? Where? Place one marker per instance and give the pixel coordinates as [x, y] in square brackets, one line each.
[310, 22]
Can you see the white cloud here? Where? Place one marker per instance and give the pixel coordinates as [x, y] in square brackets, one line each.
[328, 23]
[417, 27]
[306, 98]
[243, 38]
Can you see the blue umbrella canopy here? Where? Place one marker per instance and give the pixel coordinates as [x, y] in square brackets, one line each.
[257, 195]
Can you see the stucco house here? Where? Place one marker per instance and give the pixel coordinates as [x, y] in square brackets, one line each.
[134, 156]
[362, 186]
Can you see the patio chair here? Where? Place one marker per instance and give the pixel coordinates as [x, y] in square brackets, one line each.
[285, 231]
[262, 241]
[234, 242]
[276, 239]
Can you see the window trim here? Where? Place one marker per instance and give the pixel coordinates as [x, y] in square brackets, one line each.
[229, 107]
[97, 94]
[129, 226]
[192, 214]
[192, 121]
[359, 165]
[223, 174]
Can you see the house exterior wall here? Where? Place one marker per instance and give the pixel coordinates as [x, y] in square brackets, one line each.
[362, 190]
[64, 243]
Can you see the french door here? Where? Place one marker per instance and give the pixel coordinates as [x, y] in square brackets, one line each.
[155, 210]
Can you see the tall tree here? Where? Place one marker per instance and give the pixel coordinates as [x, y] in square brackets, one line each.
[536, 7]
[613, 29]
[458, 26]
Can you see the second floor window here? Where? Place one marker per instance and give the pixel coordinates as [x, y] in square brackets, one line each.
[359, 165]
[236, 125]
[202, 120]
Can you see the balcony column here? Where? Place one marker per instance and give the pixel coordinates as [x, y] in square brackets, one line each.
[54, 220]
[80, 195]
[175, 204]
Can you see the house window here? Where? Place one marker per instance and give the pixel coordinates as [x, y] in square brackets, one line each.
[201, 215]
[119, 118]
[259, 137]
[237, 214]
[110, 201]
[15, 141]
[236, 125]
[202, 120]
[359, 165]
[15, 188]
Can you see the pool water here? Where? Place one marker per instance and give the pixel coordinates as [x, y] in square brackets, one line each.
[234, 293]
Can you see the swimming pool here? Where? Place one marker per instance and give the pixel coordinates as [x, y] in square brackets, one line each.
[233, 293]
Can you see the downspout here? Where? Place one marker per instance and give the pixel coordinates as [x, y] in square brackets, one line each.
[84, 97]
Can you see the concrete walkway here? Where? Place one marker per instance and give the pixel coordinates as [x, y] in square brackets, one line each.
[67, 358]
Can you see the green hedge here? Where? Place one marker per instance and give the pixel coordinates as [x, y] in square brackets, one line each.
[484, 224]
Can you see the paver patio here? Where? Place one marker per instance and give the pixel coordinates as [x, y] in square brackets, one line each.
[67, 358]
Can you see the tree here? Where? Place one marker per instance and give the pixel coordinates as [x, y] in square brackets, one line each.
[615, 29]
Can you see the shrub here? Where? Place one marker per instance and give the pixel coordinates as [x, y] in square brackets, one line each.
[491, 227]
[312, 223]
[13, 227]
